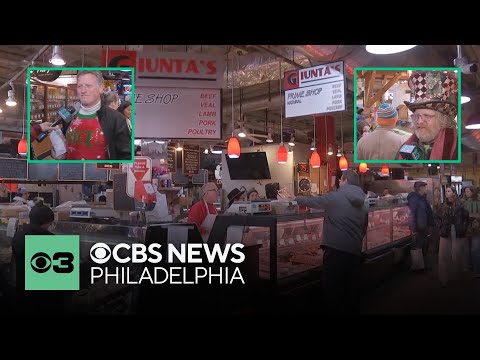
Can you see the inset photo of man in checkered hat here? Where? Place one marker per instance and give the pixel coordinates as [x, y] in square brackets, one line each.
[416, 112]
[434, 117]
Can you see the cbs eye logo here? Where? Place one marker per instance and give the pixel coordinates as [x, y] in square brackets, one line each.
[41, 262]
[100, 253]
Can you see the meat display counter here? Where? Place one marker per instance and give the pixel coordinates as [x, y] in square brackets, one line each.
[290, 244]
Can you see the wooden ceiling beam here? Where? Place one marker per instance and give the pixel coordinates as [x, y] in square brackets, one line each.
[379, 94]
[369, 82]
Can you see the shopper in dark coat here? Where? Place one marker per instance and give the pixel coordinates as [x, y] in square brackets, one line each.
[420, 220]
[345, 226]
[34, 302]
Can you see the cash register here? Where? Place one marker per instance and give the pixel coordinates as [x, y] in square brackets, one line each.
[250, 207]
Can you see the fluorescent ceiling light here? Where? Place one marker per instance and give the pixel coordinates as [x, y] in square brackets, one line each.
[388, 49]
[473, 122]
[465, 99]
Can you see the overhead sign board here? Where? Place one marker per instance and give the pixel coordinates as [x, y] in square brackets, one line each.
[178, 113]
[170, 69]
[315, 90]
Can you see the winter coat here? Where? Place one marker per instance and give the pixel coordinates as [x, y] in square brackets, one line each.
[421, 215]
[346, 217]
[449, 214]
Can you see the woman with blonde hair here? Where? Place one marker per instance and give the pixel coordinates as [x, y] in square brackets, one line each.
[452, 220]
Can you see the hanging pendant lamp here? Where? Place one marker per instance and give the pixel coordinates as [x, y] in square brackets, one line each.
[282, 153]
[315, 160]
[385, 170]
[363, 167]
[22, 147]
[343, 163]
[315, 156]
[233, 148]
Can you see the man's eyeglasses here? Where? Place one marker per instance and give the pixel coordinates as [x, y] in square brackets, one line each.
[425, 117]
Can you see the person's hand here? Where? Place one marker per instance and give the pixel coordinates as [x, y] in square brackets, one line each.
[47, 126]
[284, 194]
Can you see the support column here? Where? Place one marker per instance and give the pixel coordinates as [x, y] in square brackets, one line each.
[325, 136]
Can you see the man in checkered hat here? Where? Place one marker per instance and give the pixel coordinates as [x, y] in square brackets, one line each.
[383, 143]
[434, 116]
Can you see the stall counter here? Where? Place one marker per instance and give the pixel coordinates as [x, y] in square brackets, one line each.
[297, 239]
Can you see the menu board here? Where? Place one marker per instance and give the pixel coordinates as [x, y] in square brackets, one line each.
[190, 159]
[94, 174]
[13, 169]
[46, 172]
[70, 172]
[172, 165]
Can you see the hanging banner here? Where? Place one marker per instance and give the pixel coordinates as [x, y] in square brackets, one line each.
[315, 90]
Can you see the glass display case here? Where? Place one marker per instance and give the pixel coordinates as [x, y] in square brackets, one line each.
[298, 246]
[298, 238]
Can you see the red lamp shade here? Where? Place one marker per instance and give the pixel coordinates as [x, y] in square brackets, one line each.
[385, 170]
[22, 147]
[363, 167]
[282, 155]
[233, 149]
[315, 160]
[343, 163]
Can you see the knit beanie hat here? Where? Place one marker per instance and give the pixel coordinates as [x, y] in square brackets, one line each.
[387, 115]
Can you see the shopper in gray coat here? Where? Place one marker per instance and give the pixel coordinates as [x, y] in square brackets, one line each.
[345, 225]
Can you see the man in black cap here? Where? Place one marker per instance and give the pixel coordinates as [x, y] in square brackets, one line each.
[421, 218]
[235, 195]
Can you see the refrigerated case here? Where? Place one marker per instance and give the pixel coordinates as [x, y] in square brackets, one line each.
[399, 187]
[290, 244]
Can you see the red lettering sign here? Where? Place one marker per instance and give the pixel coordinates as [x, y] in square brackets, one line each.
[290, 80]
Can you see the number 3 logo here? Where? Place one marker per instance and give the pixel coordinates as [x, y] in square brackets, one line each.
[41, 262]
